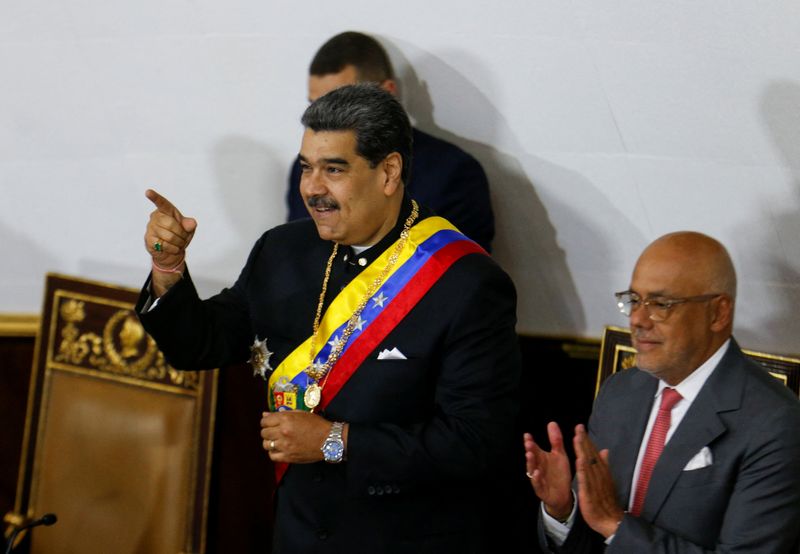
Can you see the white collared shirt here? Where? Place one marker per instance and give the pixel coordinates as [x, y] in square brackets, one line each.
[689, 388]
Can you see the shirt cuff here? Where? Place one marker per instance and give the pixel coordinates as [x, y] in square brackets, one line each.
[555, 530]
[151, 305]
[151, 301]
[614, 534]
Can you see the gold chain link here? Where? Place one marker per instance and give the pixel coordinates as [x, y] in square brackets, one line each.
[317, 374]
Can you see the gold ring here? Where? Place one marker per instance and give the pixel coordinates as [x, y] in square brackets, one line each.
[272, 446]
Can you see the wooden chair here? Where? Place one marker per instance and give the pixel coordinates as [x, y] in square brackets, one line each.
[616, 354]
[117, 443]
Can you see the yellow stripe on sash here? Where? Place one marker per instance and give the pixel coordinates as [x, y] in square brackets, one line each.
[346, 302]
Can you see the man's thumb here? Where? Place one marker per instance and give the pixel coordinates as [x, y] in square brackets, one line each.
[189, 224]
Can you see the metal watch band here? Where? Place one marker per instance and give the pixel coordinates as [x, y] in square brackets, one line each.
[333, 450]
[336, 431]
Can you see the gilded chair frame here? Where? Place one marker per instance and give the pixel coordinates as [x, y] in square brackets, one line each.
[91, 351]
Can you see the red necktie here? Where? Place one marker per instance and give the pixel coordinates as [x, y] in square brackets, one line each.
[655, 444]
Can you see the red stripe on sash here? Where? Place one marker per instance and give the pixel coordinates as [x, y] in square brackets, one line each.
[381, 326]
[280, 469]
[388, 319]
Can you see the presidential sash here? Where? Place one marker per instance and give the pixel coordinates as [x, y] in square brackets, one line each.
[432, 247]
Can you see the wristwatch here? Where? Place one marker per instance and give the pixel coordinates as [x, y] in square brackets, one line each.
[333, 447]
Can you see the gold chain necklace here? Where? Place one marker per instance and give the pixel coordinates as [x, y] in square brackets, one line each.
[315, 371]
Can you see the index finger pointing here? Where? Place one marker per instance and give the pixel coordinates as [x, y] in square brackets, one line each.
[162, 204]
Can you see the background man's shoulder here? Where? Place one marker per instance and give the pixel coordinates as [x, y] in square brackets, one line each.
[427, 147]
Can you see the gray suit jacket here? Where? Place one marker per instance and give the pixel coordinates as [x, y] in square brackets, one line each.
[747, 500]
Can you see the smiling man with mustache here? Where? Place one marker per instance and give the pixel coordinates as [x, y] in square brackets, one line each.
[386, 336]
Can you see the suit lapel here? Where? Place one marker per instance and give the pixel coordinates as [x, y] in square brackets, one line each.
[700, 426]
[637, 406]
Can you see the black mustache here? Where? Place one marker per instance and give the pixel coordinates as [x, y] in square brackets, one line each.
[324, 202]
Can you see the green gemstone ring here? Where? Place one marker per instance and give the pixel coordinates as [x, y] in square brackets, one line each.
[157, 247]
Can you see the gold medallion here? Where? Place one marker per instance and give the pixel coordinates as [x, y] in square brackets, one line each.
[312, 396]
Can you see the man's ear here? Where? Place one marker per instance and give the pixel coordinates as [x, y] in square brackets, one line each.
[390, 86]
[393, 168]
[723, 313]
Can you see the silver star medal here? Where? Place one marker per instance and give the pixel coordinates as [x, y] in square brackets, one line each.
[335, 342]
[379, 300]
[360, 323]
[259, 358]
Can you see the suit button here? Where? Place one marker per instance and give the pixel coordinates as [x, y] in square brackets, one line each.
[396, 489]
[379, 490]
[322, 534]
[388, 489]
[371, 490]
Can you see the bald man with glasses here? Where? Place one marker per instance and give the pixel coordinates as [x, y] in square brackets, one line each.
[697, 449]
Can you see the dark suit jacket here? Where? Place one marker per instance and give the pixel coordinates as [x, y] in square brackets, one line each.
[443, 177]
[425, 432]
[747, 500]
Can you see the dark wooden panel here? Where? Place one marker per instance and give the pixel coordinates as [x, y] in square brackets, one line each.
[557, 385]
[16, 360]
[242, 478]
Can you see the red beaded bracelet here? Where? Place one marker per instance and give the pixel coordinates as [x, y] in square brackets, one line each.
[169, 270]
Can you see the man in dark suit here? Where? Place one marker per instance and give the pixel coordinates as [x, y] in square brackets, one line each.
[699, 446]
[387, 337]
[443, 177]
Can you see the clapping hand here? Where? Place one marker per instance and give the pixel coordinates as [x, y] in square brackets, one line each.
[596, 496]
[549, 472]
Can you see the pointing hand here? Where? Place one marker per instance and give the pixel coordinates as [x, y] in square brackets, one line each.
[166, 238]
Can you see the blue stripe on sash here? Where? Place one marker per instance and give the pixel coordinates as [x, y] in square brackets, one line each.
[389, 289]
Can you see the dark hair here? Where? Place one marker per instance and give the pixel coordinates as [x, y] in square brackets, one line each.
[357, 49]
[379, 121]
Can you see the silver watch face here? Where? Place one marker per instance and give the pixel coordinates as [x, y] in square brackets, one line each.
[333, 450]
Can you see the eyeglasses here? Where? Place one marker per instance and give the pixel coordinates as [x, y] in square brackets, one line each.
[658, 308]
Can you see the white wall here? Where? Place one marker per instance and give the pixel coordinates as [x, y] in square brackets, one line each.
[602, 125]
